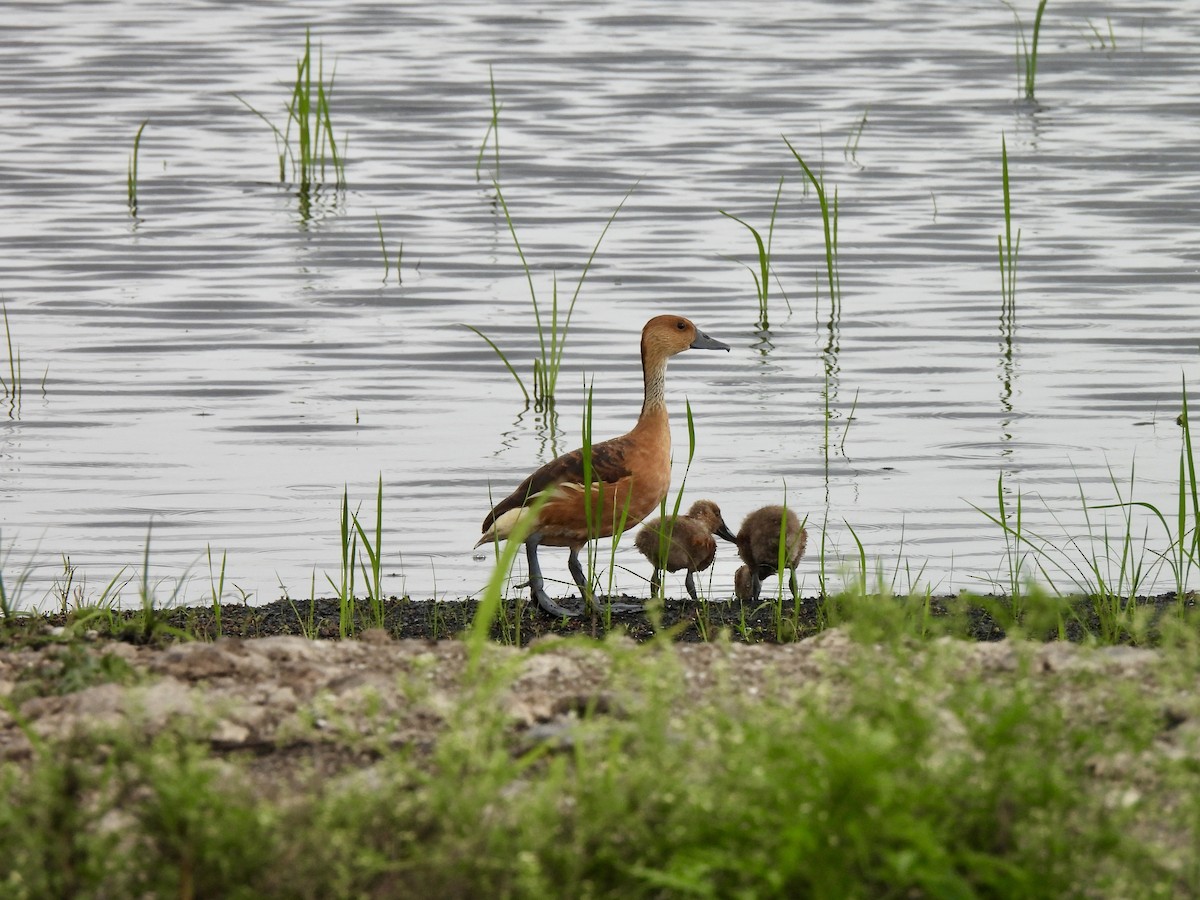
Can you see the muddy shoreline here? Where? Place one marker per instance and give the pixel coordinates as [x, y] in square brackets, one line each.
[979, 618]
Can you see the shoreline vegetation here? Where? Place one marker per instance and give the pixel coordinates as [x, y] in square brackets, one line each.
[515, 620]
[889, 746]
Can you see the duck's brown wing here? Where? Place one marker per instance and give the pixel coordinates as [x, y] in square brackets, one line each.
[608, 465]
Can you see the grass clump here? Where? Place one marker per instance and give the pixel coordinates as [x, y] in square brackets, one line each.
[1026, 55]
[763, 275]
[551, 327]
[316, 148]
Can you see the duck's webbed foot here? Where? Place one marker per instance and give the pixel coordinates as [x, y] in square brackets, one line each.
[590, 600]
[602, 604]
[536, 585]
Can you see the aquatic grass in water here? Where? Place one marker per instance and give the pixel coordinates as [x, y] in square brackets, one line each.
[829, 220]
[132, 175]
[316, 147]
[1026, 54]
[763, 276]
[12, 387]
[552, 334]
[1108, 566]
[493, 132]
[850, 151]
[1101, 44]
[383, 250]
[1008, 249]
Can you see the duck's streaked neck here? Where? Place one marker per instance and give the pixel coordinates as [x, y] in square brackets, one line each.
[654, 376]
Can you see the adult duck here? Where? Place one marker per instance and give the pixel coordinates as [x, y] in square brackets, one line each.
[685, 542]
[758, 546]
[630, 474]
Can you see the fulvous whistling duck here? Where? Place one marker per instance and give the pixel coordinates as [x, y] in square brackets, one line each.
[758, 546]
[686, 542]
[630, 474]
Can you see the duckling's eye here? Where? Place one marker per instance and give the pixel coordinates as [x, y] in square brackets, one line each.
[680, 325]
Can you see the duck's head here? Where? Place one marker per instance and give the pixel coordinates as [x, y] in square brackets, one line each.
[665, 336]
[710, 514]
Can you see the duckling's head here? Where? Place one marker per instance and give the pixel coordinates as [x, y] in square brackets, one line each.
[710, 514]
[665, 336]
[742, 587]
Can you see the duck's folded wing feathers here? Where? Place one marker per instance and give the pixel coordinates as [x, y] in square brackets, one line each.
[608, 465]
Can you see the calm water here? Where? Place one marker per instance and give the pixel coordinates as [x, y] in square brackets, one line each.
[218, 369]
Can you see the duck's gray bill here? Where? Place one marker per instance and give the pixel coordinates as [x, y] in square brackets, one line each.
[704, 342]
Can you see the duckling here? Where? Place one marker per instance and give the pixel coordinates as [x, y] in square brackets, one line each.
[689, 543]
[758, 546]
[630, 473]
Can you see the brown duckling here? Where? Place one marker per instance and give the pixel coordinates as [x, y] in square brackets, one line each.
[758, 546]
[630, 473]
[690, 544]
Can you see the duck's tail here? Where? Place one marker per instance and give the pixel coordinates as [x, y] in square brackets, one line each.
[503, 526]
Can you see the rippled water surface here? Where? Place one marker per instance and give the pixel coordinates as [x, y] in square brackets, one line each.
[218, 368]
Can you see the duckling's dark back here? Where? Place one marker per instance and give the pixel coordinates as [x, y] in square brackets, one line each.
[758, 538]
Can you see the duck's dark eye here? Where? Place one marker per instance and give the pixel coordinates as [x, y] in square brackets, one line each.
[680, 325]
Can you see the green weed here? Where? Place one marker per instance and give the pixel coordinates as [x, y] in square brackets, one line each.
[344, 586]
[1101, 43]
[850, 151]
[132, 175]
[386, 263]
[374, 551]
[1026, 54]
[829, 220]
[217, 585]
[316, 147]
[1008, 249]
[12, 387]
[763, 276]
[552, 334]
[493, 132]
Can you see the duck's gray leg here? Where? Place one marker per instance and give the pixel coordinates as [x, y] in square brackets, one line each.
[690, 584]
[536, 585]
